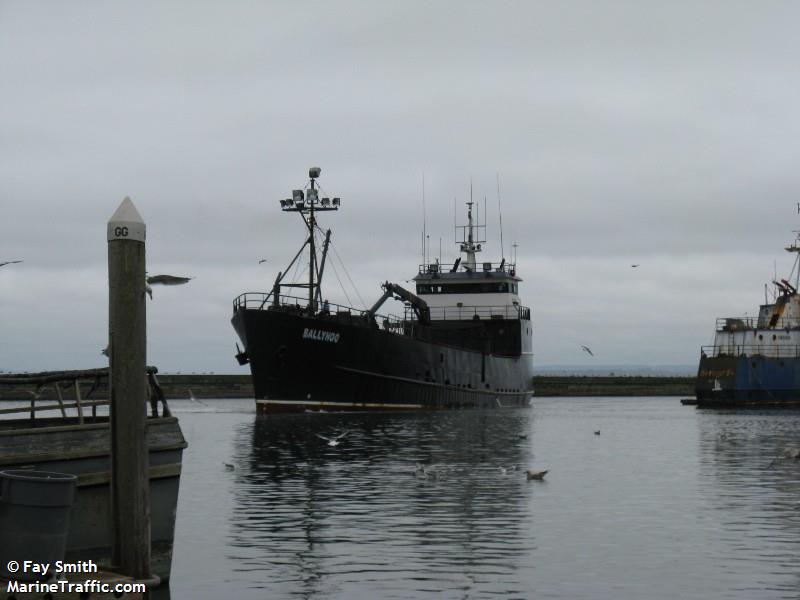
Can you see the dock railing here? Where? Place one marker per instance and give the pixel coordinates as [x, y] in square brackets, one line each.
[71, 383]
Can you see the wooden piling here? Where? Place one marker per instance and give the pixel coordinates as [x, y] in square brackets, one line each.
[130, 492]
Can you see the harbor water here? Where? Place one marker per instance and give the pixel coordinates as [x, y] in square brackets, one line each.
[666, 501]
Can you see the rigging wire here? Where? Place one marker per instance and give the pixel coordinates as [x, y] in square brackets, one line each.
[350, 279]
[346, 272]
[344, 291]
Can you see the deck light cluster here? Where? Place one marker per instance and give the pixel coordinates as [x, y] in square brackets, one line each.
[303, 200]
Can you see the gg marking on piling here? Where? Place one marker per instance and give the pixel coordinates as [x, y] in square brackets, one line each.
[126, 223]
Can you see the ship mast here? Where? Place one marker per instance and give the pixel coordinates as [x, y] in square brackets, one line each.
[306, 204]
[470, 243]
[795, 248]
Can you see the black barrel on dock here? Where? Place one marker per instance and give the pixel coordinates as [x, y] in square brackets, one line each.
[34, 520]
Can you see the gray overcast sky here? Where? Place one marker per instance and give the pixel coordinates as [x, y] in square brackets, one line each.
[664, 134]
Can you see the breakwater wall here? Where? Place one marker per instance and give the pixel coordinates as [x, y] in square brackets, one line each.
[590, 385]
[240, 386]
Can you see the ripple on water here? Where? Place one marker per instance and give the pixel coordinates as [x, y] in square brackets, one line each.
[667, 502]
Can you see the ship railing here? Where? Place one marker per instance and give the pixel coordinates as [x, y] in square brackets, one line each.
[467, 313]
[295, 304]
[481, 267]
[739, 350]
[751, 323]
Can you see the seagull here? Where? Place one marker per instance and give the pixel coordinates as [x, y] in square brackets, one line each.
[229, 467]
[503, 471]
[38, 393]
[9, 262]
[537, 475]
[522, 436]
[587, 350]
[104, 351]
[333, 442]
[195, 400]
[168, 280]
[263, 260]
[597, 432]
[791, 452]
[634, 266]
[163, 280]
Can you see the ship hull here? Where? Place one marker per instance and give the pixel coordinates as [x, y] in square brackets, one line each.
[343, 363]
[748, 381]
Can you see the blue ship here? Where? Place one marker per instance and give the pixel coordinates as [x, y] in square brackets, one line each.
[755, 361]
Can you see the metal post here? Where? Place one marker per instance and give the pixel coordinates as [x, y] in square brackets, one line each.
[130, 491]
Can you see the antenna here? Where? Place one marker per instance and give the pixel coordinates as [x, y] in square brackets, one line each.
[484, 212]
[502, 247]
[424, 224]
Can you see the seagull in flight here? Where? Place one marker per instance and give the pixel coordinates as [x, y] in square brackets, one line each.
[587, 350]
[38, 393]
[634, 266]
[334, 441]
[9, 262]
[263, 260]
[168, 280]
[195, 400]
[163, 280]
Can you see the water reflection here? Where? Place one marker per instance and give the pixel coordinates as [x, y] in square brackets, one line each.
[312, 520]
[667, 502]
[753, 489]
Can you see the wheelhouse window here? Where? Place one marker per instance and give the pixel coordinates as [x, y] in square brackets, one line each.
[466, 288]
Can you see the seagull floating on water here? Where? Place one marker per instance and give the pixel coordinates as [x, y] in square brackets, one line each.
[334, 441]
[229, 466]
[597, 432]
[791, 452]
[9, 262]
[537, 475]
[587, 350]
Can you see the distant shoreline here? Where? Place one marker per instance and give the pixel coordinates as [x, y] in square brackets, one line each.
[177, 387]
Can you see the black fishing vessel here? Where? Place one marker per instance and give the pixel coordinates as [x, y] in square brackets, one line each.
[465, 339]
